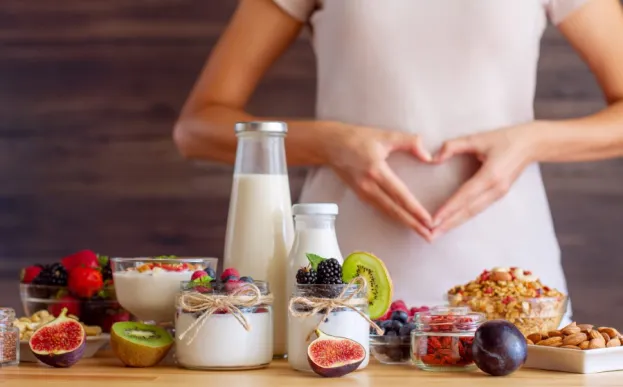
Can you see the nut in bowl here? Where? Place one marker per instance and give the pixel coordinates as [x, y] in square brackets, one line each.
[515, 295]
[579, 337]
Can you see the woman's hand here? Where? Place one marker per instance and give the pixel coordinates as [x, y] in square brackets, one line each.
[359, 157]
[504, 154]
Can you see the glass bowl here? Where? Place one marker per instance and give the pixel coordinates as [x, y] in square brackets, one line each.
[530, 315]
[102, 311]
[391, 349]
[147, 286]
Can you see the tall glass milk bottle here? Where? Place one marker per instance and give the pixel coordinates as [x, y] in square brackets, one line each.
[314, 225]
[260, 229]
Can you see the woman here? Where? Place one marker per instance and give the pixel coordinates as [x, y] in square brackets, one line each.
[425, 133]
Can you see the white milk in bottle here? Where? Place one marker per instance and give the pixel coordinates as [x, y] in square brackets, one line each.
[314, 233]
[260, 230]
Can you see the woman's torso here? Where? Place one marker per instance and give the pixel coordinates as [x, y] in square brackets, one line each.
[440, 69]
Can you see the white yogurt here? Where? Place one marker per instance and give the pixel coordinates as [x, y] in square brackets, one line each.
[150, 295]
[223, 343]
[348, 324]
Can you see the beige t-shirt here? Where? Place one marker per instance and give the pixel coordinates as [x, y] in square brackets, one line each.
[441, 69]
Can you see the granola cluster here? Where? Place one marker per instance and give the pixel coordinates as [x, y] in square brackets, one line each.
[515, 295]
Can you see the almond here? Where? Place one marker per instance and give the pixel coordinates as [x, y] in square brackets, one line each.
[595, 335]
[555, 341]
[609, 331]
[529, 342]
[584, 344]
[571, 330]
[606, 336]
[536, 337]
[574, 339]
[570, 346]
[501, 276]
[597, 343]
[555, 334]
[585, 327]
[613, 343]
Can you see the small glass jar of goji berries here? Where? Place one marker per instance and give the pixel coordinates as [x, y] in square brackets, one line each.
[442, 339]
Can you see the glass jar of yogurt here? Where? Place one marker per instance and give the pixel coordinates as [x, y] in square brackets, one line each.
[224, 328]
[341, 322]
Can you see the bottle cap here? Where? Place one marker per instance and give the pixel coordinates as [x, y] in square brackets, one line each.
[315, 209]
[261, 126]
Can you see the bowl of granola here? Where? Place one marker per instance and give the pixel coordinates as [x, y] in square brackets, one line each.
[515, 295]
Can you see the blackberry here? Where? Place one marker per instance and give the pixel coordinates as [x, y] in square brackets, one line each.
[306, 275]
[329, 270]
[52, 275]
[330, 281]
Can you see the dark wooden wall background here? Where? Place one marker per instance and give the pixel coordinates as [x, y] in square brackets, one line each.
[89, 91]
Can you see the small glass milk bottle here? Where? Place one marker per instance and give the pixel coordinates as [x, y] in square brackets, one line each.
[314, 225]
[260, 229]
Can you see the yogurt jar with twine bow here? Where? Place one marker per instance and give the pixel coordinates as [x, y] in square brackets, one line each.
[224, 328]
[337, 310]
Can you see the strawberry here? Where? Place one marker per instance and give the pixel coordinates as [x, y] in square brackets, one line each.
[66, 301]
[85, 258]
[398, 305]
[30, 273]
[85, 282]
[230, 272]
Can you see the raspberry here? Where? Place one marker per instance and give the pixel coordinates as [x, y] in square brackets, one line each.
[230, 272]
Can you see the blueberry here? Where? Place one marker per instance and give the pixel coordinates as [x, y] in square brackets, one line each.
[395, 353]
[396, 326]
[211, 272]
[400, 315]
[386, 325]
[391, 333]
[230, 278]
[406, 329]
[246, 279]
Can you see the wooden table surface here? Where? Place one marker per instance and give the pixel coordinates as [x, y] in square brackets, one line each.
[107, 371]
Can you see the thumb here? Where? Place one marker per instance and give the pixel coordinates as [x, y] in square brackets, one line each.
[455, 147]
[413, 144]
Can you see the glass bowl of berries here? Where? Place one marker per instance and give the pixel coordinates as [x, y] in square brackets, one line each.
[81, 282]
[394, 345]
[515, 295]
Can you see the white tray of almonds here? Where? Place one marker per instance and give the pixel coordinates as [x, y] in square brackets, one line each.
[28, 325]
[576, 348]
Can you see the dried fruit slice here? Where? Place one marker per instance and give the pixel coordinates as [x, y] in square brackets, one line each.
[380, 287]
[139, 345]
[59, 343]
[332, 357]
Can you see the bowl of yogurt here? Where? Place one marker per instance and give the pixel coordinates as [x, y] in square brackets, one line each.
[147, 286]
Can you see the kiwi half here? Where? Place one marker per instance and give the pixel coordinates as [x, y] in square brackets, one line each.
[139, 345]
[380, 287]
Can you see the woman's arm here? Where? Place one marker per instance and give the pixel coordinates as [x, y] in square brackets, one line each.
[256, 37]
[596, 32]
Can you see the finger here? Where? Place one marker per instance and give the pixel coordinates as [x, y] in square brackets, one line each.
[469, 192]
[411, 143]
[466, 213]
[396, 189]
[376, 196]
[454, 147]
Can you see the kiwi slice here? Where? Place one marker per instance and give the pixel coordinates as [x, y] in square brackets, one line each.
[380, 287]
[139, 345]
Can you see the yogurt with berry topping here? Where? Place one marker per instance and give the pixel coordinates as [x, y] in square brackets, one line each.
[147, 287]
[217, 339]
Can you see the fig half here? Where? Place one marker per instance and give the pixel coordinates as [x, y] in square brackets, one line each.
[59, 343]
[332, 356]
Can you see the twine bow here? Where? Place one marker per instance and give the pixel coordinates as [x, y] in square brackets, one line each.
[328, 304]
[246, 296]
